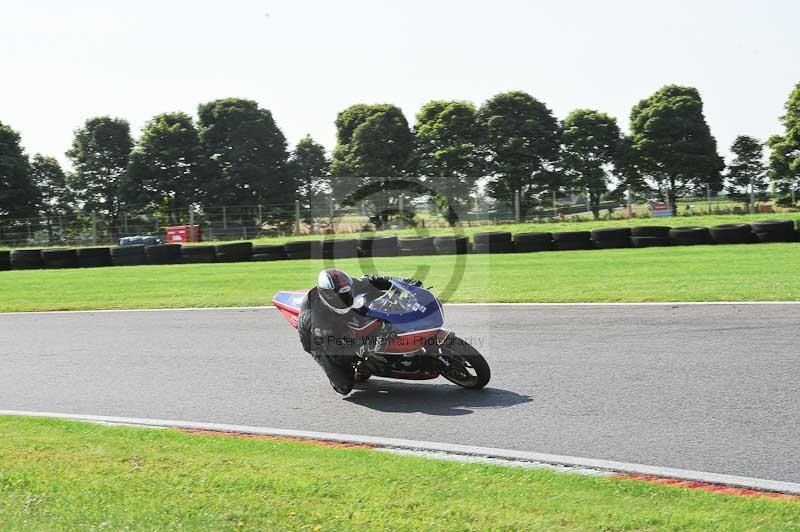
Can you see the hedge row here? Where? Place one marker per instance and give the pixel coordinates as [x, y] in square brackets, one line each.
[392, 246]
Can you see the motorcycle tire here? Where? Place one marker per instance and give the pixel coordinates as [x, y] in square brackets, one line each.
[467, 367]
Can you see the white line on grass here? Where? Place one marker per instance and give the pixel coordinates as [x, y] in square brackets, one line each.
[453, 450]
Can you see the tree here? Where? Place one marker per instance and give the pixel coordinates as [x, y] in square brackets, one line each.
[675, 149]
[51, 184]
[373, 143]
[747, 174]
[521, 142]
[99, 153]
[248, 153]
[784, 175]
[784, 160]
[167, 166]
[447, 151]
[18, 195]
[310, 167]
[591, 148]
[628, 171]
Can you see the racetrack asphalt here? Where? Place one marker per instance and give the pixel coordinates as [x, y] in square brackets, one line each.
[702, 387]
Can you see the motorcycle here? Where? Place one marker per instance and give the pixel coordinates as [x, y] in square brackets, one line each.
[419, 348]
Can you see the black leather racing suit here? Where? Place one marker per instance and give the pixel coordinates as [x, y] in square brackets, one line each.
[325, 334]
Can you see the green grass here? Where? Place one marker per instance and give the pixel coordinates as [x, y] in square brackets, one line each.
[763, 272]
[58, 475]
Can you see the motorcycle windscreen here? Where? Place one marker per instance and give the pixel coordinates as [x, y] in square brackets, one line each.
[408, 308]
[289, 304]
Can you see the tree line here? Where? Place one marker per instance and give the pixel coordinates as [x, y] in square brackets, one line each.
[235, 154]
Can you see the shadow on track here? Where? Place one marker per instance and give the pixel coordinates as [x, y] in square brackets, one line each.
[431, 399]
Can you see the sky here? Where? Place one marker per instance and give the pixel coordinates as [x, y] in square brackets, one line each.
[306, 60]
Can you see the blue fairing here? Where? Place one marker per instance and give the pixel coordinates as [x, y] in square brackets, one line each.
[408, 308]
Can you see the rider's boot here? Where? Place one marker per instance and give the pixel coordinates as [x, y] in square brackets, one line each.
[342, 377]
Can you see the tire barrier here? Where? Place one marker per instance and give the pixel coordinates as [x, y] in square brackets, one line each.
[26, 259]
[302, 249]
[128, 256]
[531, 242]
[650, 241]
[198, 254]
[493, 242]
[378, 246]
[339, 249]
[690, 236]
[267, 253]
[236, 252]
[163, 254]
[56, 259]
[417, 246]
[572, 240]
[733, 234]
[451, 245]
[94, 257]
[774, 231]
[389, 246]
[655, 231]
[612, 238]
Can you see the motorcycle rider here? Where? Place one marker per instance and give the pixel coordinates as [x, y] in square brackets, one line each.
[323, 321]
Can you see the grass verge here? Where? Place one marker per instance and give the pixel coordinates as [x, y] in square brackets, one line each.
[764, 272]
[67, 475]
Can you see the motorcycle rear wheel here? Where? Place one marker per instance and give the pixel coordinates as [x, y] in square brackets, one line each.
[464, 366]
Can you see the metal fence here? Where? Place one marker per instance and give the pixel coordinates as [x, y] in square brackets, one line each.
[325, 216]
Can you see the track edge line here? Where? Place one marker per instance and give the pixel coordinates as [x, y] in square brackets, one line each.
[774, 486]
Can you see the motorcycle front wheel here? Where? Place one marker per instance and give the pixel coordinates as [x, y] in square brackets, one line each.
[462, 364]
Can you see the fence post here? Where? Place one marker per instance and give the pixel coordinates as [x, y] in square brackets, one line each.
[630, 203]
[30, 235]
[708, 198]
[752, 204]
[555, 207]
[260, 217]
[297, 217]
[94, 227]
[191, 225]
[794, 198]
[516, 206]
[588, 206]
[400, 208]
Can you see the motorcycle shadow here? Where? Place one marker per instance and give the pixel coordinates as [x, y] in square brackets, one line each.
[432, 399]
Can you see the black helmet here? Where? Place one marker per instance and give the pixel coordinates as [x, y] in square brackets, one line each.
[335, 290]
